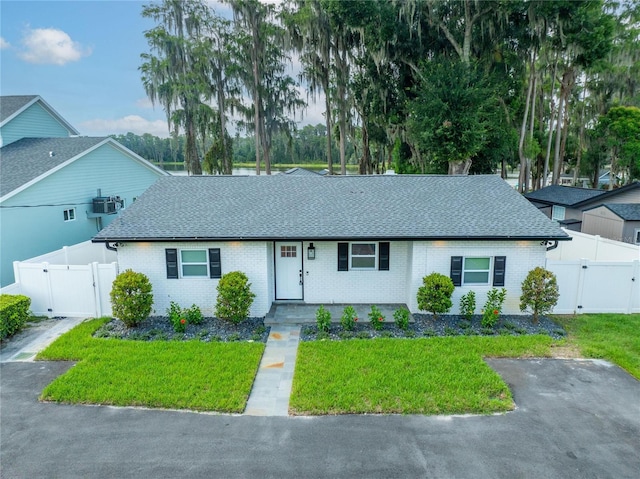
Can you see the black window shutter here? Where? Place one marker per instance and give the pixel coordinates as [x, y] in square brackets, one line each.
[456, 270]
[499, 265]
[383, 258]
[215, 268]
[171, 255]
[343, 256]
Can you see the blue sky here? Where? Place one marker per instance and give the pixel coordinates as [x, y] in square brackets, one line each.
[82, 57]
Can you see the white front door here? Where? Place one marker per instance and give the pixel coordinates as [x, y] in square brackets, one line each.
[288, 270]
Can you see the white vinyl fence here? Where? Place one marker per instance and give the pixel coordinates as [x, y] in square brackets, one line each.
[67, 282]
[597, 287]
[593, 247]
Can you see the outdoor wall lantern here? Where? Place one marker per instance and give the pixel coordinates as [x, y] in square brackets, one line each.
[311, 251]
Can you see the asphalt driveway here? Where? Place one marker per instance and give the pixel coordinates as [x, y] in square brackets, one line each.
[574, 419]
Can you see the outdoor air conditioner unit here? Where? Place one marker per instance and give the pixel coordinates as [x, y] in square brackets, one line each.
[106, 204]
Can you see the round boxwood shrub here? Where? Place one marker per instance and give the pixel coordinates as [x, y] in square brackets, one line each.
[435, 294]
[234, 297]
[539, 292]
[131, 298]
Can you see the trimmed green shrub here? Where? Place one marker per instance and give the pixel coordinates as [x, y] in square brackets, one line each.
[539, 292]
[131, 298]
[468, 305]
[435, 294]
[376, 318]
[401, 318]
[493, 307]
[323, 319]
[14, 312]
[349, 318]
[234, 297]
[193, 314]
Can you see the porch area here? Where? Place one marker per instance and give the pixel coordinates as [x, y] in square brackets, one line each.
[305, 313]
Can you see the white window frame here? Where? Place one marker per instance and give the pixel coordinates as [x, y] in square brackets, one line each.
[558, 213]
[182, 264]
[69, 215]
[488, 271]
[374, 256]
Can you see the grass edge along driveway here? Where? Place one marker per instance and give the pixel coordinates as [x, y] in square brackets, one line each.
[443, 375]
[190, 375]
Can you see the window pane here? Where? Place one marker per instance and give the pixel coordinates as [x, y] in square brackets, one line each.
[363, 262]
[476, 263]
[72, 214]
[194, 256]
[477, 278]
[194, 270]
[363, 249]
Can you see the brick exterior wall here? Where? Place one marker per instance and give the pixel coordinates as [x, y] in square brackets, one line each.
[323, 283]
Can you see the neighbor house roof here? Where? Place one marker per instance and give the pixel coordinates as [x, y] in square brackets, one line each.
[575, 197]
[562, 195]
[30, 159]
[626, 211]
[300, 172]
[12, 105]
[330, 207]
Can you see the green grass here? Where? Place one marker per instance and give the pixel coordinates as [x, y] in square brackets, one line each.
[163, 374]
[614, 337]
[421, 376]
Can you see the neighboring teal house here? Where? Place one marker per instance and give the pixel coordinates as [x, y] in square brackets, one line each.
[57, 188]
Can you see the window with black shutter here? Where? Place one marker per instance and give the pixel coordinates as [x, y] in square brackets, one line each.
[499, 267]
[343, 256]
[383, 259]
[215, 267]
[171, 255]
[456, 270]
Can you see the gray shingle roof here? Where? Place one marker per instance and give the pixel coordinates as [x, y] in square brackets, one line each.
[11, 104]
[344, 207]
[563, 195]
[26, 159]
[626, 211]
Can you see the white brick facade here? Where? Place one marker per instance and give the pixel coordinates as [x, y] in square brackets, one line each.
[323, 283]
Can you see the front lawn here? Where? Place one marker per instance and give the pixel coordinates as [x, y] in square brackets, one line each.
[167, 374]
[443, 375]
[614, 337]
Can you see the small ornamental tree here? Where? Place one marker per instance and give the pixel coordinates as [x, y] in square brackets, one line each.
[435, 294]
[539, 292]
[468, 305]
[131, 298]
[234, 297]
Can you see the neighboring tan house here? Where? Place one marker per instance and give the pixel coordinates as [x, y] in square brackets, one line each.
[616, 221]
[566, 204]
[330, 239]
[50, 179]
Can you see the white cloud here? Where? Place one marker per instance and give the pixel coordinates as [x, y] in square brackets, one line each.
[130, 123]
[144, 103]
[4, 44]
[51, 46]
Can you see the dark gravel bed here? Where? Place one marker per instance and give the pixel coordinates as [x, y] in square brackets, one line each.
[159, 328]
[445, 325]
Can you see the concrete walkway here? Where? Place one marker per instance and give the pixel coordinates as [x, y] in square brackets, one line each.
[272, 385]
[34, 338]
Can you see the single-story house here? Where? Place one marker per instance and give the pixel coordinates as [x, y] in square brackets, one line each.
[616, 221]
[57, 188]
[566, 204]
[331, 239]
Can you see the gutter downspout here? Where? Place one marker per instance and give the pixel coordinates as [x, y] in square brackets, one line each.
[115, 247]
[549, 248]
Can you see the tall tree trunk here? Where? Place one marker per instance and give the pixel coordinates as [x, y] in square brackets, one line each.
[191, 149]
[523, 177]
[327, 105]
[568, 78]
[461, 167]
[576, 171]
[545, 174]
[364, 167]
